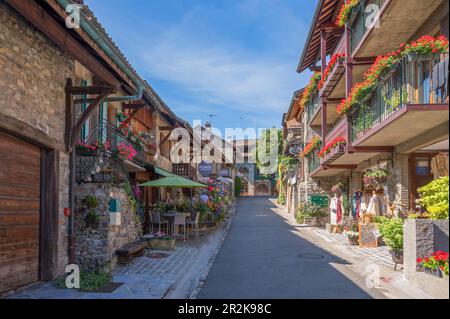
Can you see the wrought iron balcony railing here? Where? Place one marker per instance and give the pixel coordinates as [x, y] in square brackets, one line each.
[108, 140]
[415, 80]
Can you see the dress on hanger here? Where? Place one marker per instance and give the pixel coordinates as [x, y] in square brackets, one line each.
[339, 210]
[333, 210]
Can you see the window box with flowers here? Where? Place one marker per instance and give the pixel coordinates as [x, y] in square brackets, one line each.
[91, 149]
[423, 48]
[436, 264]
[338, 142]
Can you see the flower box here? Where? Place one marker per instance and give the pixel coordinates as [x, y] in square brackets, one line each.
[162, 244]
[416, 57]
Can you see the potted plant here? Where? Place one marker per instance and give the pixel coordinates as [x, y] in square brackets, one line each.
[311, 214]
[391, 230]
[92, 219]
[376, 178]
[436, 264]
[162, 241]
[353, 237]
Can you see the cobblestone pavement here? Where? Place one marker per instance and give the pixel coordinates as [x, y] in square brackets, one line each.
[144, 278]
[374, 265]
[379, 255]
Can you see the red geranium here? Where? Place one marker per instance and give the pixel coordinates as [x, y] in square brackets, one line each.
[334, 59]
[425, 45]
[330, 146]
[345, 11]
[312, 145]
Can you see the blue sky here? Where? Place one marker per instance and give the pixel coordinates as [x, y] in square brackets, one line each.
[234, 59]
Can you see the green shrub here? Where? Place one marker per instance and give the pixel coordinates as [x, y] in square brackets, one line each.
[89, 280]
[91, 202]
[392, 231]
[434, 197]
[307, 210]
[237, 186]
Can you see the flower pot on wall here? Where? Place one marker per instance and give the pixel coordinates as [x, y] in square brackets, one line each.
[162, 244]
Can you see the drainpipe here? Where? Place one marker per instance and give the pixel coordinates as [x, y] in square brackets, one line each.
[92, 31]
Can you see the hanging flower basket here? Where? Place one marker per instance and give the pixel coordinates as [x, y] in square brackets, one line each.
[376, 179]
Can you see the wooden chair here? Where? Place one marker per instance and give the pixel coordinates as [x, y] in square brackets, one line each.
[192, 223]
[156, 219]
[179, 220]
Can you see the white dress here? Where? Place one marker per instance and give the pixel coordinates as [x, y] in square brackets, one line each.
[333, 210]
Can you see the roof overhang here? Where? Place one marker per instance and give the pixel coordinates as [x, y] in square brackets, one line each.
[325, 14]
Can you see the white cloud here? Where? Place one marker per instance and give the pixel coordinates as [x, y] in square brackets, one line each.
[219, 75]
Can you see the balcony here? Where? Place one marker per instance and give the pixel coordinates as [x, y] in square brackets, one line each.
[399, 21]
[313, 108]
[313, 162]
[110, 140]
[410, 100]
[184, 169]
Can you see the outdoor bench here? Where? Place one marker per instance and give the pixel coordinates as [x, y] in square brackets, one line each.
[127, 252]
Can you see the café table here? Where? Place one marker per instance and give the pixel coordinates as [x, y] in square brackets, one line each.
[170, 216]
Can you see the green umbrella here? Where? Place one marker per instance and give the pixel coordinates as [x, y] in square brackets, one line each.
[173, 181]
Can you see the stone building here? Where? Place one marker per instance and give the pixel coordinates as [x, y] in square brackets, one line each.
[299, 186]
[63, 90]
[402, 136]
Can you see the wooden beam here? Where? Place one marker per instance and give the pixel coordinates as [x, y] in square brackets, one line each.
[37, 16]
[165, 128]
[343, 166]
[69, 114]
[374, 149]
[99, 89]
[25, 131]
[77, 127]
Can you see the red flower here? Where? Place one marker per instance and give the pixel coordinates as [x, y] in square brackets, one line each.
[310, 146]
[419, 260]
[334, 143]
[334, 59]
[310, 88]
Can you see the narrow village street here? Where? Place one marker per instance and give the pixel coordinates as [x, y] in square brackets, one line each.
[265, 257]
[224, 150]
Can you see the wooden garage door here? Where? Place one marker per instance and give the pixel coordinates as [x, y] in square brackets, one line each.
[19, 212]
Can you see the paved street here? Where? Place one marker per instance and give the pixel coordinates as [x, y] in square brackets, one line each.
[264, 257]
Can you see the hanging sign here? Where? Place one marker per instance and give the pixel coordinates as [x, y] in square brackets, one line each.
[205, 169]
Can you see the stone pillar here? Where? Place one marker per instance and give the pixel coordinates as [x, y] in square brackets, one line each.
[422, 237]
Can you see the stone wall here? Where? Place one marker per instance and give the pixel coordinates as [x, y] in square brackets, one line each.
[96, 247]
[32, 80]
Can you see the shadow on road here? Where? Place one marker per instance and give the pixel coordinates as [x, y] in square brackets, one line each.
[263, 257]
